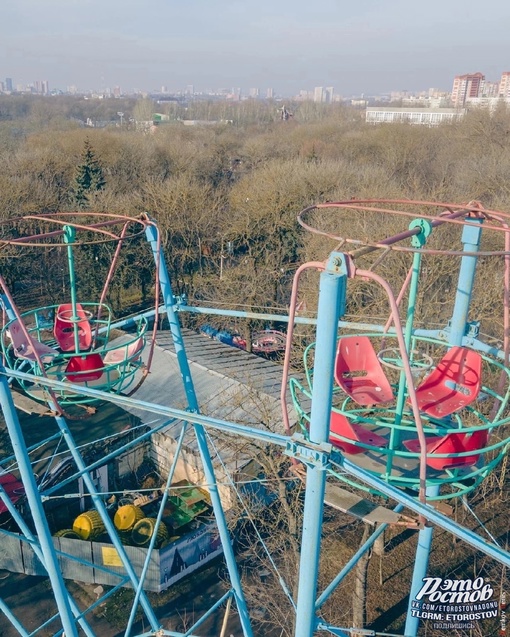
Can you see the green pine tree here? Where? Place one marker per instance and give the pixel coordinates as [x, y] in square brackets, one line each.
[89, 176]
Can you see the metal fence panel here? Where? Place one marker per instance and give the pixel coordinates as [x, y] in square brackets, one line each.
[11, 557]
[32, 564]
[80, 571]
[112, 570]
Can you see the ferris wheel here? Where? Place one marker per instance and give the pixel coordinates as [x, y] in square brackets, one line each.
[408, 407]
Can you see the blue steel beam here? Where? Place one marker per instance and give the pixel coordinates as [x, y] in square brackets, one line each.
[282, 440]
[471, 236]
[421, 564]
[97, 500]
[50, 561]
[228, 550]
[153, 539]
[353, 561]
[13, 619]
[31, 539]
[332, 291]
[106, 458]
[438, 333]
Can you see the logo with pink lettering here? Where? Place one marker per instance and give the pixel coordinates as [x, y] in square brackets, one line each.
[454, 604]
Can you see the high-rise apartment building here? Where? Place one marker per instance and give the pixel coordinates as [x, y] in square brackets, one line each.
[8, 84]
[466, 87]
[270, 93]
[318, 94]
[504, 84]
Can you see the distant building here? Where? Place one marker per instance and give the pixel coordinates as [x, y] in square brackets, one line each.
[318, 94]
[270, 93]
[466, 87]
[41, 87]
[254, 92]
[504, 84]
[490, 103]
[420, 116]
[8, 84]
[329, 94]
[491, 89]
[303, 95]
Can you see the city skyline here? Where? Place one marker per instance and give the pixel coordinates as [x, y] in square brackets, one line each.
[360, 47]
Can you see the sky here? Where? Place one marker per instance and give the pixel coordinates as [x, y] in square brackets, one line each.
[356, 46]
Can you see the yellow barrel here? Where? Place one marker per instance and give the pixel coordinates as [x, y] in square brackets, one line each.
[89, 525]
[69, 533]
[125, 538]
[144, 530]
[127, 516]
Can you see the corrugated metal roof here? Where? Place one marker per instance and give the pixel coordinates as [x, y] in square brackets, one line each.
[230, 384]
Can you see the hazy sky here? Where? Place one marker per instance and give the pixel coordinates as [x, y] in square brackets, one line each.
[356, 46]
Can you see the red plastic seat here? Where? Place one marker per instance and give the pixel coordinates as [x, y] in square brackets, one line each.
[359, 372]
[341, 426]
[81, 369]
[452, 385]
[453, 443]
[66, 323]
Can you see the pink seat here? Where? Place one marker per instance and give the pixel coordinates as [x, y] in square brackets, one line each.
[81, 369]
[27, 348]
[130, 352]
[359, 372]
[66, 323]
[453, 443]
[341, 426]
[452, 385]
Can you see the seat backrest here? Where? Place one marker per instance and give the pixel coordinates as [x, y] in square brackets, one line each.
[340, 425]
[463, 367]
[130, 352]
[28, 348]
[458, 443]
[19, 340]
[453, 384]
[66, 324]
[359, 372]
[356, 354]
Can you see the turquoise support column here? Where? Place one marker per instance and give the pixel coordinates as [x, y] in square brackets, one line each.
[421, 565]
[332, 290]
[471, 236]
[69, 236]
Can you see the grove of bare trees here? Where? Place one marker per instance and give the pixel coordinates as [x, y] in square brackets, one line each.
[226, 197]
